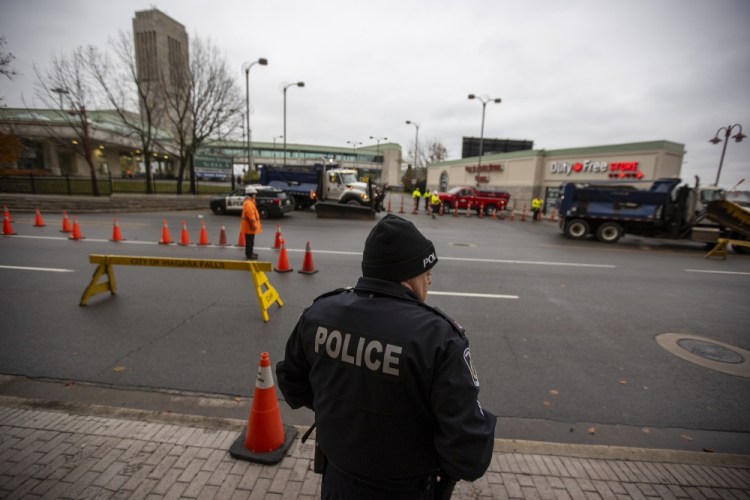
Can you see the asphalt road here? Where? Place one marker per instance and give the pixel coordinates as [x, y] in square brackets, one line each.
[563, 333]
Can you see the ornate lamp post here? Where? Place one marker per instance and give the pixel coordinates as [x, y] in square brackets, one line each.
[727, 132]
[246, 68]
[286, 86]
[484, 100]
[416, 144]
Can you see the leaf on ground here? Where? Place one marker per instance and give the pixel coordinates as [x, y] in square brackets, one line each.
[118, 369]
[554, 392]
[592, 430]
[686, 437]
[646, 430]
[546, 403]
[623, 382]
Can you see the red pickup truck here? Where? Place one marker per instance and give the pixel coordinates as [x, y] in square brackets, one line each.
[459, 198]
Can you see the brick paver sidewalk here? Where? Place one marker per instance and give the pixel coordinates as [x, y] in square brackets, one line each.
[142, 455]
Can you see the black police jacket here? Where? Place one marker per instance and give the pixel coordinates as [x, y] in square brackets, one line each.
[392, 385]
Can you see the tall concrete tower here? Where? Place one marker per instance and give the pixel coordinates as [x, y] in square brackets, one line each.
[161, 54]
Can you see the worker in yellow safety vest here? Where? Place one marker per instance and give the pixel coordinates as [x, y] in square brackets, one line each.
[536, 208]
[426, 197]
[416, 195]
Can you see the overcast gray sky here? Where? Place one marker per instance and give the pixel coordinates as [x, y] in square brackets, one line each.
[570, 73]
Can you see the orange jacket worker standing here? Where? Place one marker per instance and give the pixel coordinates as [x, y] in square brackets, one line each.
[250, 223]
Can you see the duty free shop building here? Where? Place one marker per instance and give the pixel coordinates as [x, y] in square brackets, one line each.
[538, 172]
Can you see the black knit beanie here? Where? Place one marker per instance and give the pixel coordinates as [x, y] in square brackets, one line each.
[396, 251]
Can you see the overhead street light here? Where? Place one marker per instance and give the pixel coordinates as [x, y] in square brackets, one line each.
[484, 100]
[246, 68]
[416, 144]
[60, 91]
[286, 86]
[354, 150]
[727, 132]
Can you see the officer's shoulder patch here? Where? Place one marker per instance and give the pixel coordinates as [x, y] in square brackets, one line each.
[454, 324]
[333, 292]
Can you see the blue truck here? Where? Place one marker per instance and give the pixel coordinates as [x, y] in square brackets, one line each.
[665, 210]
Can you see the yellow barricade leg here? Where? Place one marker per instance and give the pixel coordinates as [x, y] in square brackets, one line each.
[265, 297]
[720, 250]
[94, 288]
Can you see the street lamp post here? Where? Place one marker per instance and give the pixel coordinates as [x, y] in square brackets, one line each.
[60, 91]
[354, 151]
[246, 68]
[484, 99]
[727, 132]
[286, 86]
[274, 147]
[416, 144]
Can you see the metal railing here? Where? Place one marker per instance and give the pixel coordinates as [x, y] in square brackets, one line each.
[81, 185]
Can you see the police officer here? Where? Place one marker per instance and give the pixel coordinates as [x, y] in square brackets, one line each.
[390, 378]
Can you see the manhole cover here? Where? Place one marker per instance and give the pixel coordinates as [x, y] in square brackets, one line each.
[709, 350]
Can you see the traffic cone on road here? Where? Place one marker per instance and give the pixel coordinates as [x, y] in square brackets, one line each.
[203, 238]
[481, 211]
[223, 236]
[307, 264]
[184, 236]
[512, 216]
[38, 222]
[277, 239]
[389, 205]
[552, 216]
[116, 234]
[7, 226]
[265, 440]
[401, 210]
[166, 238]
[76, 230]
[523, 214]
[66, 224]
[282, 266]
[241, 239]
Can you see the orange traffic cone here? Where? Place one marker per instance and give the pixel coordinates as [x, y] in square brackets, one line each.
[38, 222]
[502, 214]
[552, 216]
[282, 266]
[223, 237]
[307, 264]
[389, 205]
[512, 216]
[76, 230]
[7, 227]
[203, 238]
[116, 234]
[277, 239]
[523, 214]
[481, 211]
[184, 236]
[468, 210]
[166, 238]
[66, 224]
[241, 239]
[266, 439]
[401, 210]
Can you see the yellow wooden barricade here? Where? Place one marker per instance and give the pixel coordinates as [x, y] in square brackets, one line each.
[266, 293]
[720, 250]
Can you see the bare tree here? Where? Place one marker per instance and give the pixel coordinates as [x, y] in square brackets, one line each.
[68, 87]
[139, 108]
[199, 102]
[5, 59]
[436, 151]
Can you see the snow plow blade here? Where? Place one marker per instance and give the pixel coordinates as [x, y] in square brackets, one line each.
[329, 210]
[728, 214]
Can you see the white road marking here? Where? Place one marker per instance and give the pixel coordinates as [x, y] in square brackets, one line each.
[474, 295]
[716, 272]
[47, 269]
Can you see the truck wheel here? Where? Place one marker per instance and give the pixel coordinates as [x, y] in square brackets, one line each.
[218, 209]
[490, 210]
[576, 229]
[353, 203]
[446, 208]
[609, 232]
[263, 212]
